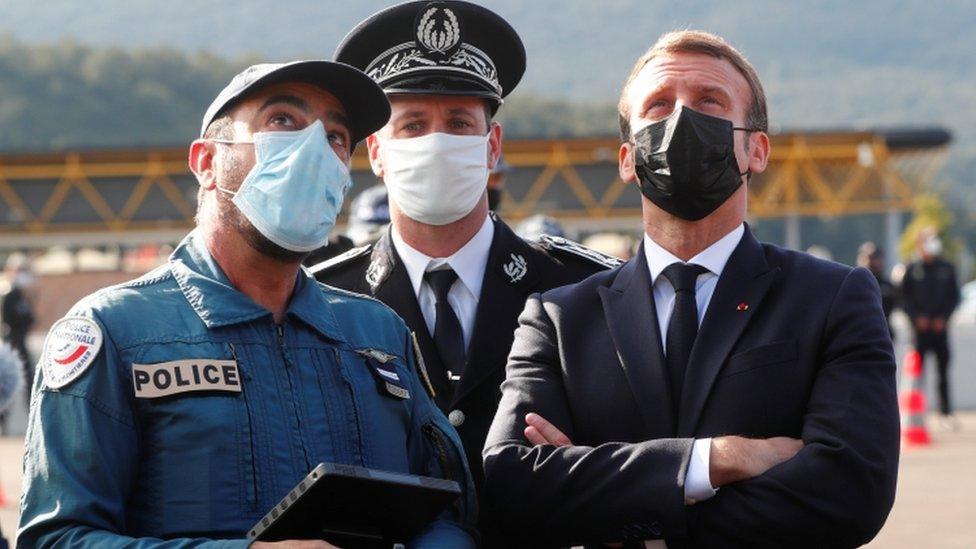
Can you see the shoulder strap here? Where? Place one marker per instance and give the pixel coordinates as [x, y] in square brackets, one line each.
[561, 245]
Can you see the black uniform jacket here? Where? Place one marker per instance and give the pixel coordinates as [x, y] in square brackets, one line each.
[930, 289]
[789, 346]
[516, 268]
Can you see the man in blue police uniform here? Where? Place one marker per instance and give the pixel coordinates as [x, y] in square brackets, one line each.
[181, 406]
[709, 360]
[455, 272]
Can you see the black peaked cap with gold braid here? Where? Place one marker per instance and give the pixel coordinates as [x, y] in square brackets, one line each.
[445, 47]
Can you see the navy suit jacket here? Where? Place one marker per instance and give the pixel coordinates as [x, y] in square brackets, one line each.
[790, 345]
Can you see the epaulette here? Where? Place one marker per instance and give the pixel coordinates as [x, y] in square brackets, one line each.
[340, 259]
[558, 243]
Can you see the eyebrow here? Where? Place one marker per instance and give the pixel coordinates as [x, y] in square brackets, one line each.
[410, 115]
[302, 105]
[460, 110]
[286, 99]
[717, 90]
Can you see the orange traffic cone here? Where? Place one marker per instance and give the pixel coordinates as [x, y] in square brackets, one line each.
[912, 402]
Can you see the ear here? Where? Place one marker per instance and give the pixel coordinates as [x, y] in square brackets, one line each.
[201, 163]
[759, 154]
[494, 145]
[375, 160]
[625, 160]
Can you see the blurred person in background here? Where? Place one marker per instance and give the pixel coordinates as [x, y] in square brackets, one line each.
[369, 214]
[534, 226]
[177, 409]
[930, 294]
[11, 380]
[872, 258]
[615, 244]
[820, 252]
[17, 313]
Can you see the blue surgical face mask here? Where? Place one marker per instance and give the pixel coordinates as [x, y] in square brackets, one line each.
[294, 192]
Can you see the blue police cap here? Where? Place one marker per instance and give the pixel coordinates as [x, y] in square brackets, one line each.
[367, 108]
[370, 207]
[446, 47]
[533, 227]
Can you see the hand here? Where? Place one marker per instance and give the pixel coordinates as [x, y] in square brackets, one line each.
[922, 323]
[540, 431]
[736, 458]
[293, 544]
[938, 324]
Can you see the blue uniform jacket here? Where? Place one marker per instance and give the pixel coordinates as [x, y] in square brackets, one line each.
[198, 412]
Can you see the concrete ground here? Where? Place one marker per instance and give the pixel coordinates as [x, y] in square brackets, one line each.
[936, 497]
[933, 509]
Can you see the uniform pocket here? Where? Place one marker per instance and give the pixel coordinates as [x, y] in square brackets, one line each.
[383, 412]
[202, 467]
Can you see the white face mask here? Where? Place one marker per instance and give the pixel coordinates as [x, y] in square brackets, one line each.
[933, 246]
[437, 178]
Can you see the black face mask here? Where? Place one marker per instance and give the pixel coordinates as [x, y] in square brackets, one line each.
[494, 199]
[686, 163]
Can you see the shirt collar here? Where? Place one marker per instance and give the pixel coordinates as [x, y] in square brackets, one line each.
[712, 258]
[218, 303]
[469, 262]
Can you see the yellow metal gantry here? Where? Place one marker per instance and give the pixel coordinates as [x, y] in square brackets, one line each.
[59, 197]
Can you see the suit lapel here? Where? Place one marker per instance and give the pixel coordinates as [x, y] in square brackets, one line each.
[744, 281]
[628, 305]
[391, 284]
[510, 276]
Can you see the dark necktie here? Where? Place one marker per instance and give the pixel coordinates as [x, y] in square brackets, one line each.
[448, 337]
[683, 326]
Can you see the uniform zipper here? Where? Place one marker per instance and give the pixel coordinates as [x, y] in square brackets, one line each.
[294, 397]
[251, 485]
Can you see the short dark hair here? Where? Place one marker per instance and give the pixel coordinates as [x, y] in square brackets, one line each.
[488, 115]
[221, 128]
[692, 41]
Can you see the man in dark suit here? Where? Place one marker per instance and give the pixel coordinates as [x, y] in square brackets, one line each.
[709, 361]
[456, 273]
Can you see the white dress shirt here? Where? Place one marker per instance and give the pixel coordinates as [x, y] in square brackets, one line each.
[698, 485]
[469, 263]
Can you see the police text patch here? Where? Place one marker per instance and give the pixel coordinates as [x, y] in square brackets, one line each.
[70, 348]
[182, 376]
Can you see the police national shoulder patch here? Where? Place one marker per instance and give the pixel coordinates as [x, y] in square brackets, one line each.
[70, 348]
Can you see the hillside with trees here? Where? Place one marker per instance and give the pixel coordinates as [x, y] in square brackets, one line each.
[116, 73]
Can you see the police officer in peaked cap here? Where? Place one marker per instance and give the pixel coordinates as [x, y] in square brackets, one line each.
[452, 269]
[177, 409]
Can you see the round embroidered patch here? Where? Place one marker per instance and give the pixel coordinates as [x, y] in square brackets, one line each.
[70, 348]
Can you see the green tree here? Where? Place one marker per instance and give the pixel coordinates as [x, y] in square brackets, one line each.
[930, 211]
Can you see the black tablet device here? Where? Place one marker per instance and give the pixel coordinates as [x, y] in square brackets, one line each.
[354, 507]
